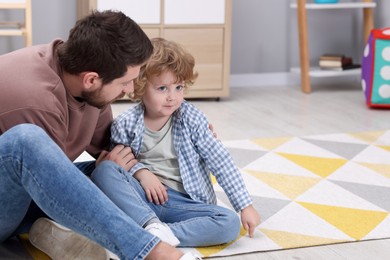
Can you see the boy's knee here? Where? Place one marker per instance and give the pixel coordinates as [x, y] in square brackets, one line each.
[106, 165]
[232, 218]
[232, 226]
[236, 225]
[104, 169]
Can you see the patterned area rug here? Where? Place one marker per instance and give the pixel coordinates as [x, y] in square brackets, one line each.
[312, 190]
[309, 190]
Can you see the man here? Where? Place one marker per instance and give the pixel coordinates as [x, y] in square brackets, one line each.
[54, 104]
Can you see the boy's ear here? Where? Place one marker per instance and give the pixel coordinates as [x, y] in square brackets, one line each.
[90, 79]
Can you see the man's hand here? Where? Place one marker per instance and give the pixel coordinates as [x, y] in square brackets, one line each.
[122, 155]
[155, 191]
[250, 219]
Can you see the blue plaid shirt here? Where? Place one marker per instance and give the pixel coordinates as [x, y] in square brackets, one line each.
[198, 152]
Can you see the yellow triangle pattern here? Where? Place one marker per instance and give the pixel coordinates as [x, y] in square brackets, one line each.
[213, 179]
[291, 186]
[292, 240]
[369, 137]
[386, 148]
[356, 223]
[318, 165]
[211, 250]
[271, 143]
[383, 169]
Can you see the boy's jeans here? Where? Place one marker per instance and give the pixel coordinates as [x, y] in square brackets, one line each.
[193, 223]
[33, 167]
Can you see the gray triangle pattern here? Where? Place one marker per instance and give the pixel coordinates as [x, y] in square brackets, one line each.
[222, 197]
[377, 195]
[243, 157]
[267, 207]
[346, 150]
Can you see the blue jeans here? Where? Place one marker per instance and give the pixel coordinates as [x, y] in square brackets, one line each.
[34, 168]
[193, 223]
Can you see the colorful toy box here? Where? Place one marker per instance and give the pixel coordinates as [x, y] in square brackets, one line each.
[376, 69]
[326, 1]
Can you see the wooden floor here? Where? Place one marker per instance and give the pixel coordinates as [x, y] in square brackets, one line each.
[286, 111]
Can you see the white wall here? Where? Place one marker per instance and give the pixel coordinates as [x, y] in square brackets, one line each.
[264, 33]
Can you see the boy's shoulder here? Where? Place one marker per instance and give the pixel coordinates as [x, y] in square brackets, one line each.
[187, 107]
[190, 112]
[129, 115]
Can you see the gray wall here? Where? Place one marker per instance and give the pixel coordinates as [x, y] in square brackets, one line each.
[264, 32]
[265, 37]
[50, 19]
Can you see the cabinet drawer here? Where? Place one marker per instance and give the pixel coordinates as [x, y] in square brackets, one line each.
[141, 11]
[206, 45]
[151, 32]
[194, 12]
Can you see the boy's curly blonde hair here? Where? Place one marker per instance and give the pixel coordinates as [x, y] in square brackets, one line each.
[167, 56]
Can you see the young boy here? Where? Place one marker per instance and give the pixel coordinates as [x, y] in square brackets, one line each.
[176, 151]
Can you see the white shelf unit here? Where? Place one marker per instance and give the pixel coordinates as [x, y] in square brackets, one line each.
[305, 70]
[17, 28]
[337, 5]
[317, 72]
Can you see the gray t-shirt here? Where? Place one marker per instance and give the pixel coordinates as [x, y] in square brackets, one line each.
[158, 154]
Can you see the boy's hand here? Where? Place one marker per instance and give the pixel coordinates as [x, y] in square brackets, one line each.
[122, 155]
[250, 219]
[211, 127]
[155, 191]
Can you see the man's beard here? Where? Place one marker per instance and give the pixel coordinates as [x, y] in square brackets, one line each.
[95, 99]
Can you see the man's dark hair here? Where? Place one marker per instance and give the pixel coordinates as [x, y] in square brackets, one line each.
[104, 42]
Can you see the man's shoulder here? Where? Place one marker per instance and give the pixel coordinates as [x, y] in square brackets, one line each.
[31, 76]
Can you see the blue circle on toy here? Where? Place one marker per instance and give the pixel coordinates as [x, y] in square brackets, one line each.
[326, 1]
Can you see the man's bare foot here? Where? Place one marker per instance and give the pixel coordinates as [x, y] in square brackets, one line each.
[164, 251]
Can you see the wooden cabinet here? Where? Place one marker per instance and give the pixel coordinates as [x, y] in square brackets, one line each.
[203, 27]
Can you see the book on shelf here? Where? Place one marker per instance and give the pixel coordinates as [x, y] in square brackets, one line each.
[332, 56]
[334, 61]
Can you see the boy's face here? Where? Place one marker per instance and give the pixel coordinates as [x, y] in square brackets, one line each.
[118, 88]
[163, 95]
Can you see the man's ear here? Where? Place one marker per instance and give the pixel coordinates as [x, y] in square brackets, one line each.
[90, 80]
